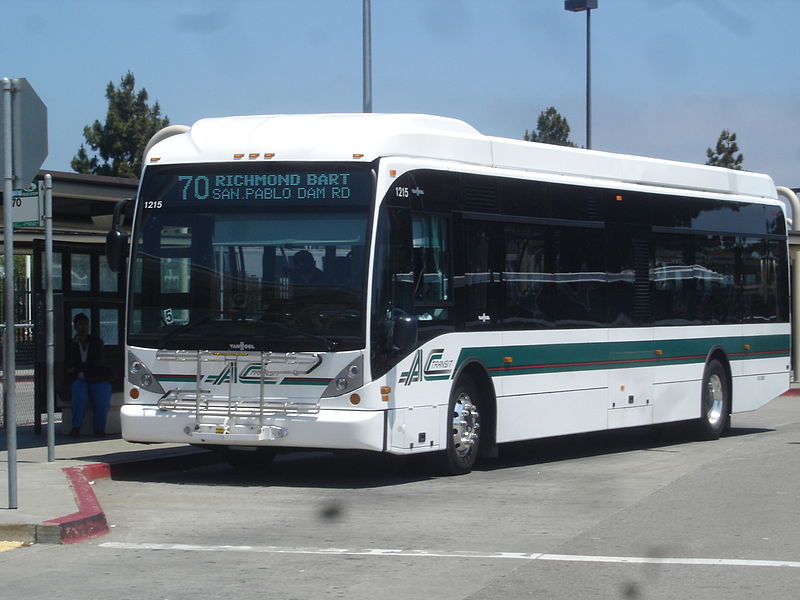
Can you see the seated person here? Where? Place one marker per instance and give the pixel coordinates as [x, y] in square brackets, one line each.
[304, 269]
[88, 377]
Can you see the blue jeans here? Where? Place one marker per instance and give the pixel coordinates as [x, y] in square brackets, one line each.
[100, 393]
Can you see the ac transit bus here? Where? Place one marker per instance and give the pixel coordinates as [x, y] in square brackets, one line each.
[404, 284]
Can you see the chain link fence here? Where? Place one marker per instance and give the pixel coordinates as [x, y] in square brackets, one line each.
[23, 378]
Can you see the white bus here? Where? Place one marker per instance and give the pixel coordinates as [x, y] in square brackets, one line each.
[404, 284]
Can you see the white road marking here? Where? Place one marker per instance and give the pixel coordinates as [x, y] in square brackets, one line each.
[711, 562]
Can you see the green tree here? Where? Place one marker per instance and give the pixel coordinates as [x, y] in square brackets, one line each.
[725, 152]
[551, 128]
[20, 288]
[118, 144]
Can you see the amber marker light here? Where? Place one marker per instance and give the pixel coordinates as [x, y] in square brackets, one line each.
[238, 156]
[355, 399]
[134, 393]
[392, 172]
[269, 155]
[253, 155]
[155, 159]
[385, 391]
[659, 353]
[357, 156]
[747, 346]
[508, 360]
[619, 198]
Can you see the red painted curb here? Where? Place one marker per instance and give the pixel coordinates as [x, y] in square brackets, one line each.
[90, 520]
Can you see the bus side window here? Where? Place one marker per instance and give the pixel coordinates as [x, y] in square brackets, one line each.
[431, 259]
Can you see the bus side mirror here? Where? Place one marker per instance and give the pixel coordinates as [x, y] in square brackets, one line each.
[117, 240]
[405, 333]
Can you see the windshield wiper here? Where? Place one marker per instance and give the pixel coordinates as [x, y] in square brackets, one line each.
[330, 343]
[188, 326]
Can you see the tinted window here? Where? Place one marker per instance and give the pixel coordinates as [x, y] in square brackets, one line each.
[541, 258]
[628, 270]
[760, 264]
[703, 214]
[478, 284]
[431, 252]
[528, 279]
[580, 278]
[393, 284]
[715, 279]
[673, 279]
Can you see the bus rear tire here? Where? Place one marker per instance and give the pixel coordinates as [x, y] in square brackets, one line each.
[464, 429]
[715, 402]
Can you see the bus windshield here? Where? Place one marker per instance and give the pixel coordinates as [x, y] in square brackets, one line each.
[250, 257]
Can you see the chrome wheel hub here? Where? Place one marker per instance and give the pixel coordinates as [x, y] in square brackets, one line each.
[466, 424]
[715, 400]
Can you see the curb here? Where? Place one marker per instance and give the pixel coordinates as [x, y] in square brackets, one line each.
[90, 520]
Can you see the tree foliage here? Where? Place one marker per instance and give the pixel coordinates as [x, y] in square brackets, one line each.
[118, 144]
[551, 128]
[724, 153]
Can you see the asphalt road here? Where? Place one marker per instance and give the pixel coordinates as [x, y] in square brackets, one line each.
[633, 514]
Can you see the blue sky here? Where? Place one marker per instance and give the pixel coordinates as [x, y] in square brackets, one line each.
[668, 75]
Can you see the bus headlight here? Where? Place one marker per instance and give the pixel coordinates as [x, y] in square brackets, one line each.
[140, 376]
[350, 378]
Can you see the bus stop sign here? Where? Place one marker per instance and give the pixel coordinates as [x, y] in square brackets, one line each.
[28, 132]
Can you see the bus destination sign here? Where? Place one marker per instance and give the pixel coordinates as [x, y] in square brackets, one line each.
[266, 186]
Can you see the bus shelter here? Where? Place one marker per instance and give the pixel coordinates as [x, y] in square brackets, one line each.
[82, 282]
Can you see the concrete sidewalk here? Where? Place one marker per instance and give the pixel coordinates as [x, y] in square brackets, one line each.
[56, 503]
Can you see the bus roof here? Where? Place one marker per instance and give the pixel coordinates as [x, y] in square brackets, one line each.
[366, 137]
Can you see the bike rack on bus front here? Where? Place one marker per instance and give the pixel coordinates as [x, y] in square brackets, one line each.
[232, 416]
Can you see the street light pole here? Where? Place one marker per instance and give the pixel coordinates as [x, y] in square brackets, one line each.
[589, 78]
[580, 6]
[367, 39]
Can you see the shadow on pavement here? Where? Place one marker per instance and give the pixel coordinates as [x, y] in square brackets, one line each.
[355, 470]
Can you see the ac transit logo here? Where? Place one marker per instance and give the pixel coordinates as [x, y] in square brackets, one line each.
[434, 368]
[230, 374]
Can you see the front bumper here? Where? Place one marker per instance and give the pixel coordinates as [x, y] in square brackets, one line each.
[328, 429]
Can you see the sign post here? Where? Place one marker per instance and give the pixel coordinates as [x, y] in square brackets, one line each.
[23, 148]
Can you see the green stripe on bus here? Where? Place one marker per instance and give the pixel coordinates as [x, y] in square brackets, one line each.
[306, 381]
[593, 356]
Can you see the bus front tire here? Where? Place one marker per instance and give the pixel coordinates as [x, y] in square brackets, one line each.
[715, 402]
[464, 429]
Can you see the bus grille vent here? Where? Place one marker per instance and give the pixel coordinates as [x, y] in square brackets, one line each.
[593, 208]
[480, 197]
[641, 265]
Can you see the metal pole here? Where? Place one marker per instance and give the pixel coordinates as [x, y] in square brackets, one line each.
[9, 358]
[367, 37]
[589, 79]
[28, 291]
[48, 305]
